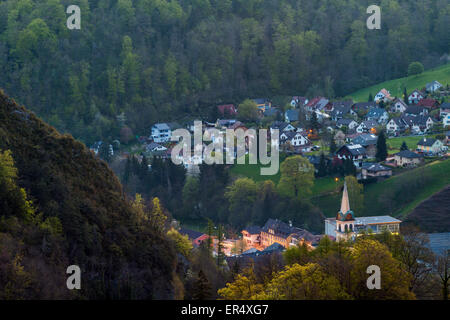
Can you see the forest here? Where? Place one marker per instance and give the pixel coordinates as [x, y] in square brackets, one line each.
[134, 63]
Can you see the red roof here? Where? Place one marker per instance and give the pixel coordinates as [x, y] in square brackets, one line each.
[313, 102]
[230, 108]
[427, 103]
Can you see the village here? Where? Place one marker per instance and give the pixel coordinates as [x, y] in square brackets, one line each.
[330, 132]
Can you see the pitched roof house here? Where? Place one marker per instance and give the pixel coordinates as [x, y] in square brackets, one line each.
[298, 101]
[291, 115]
[430, 146]
[433, 86]
[407, 158]
[367, 126]
[377, 114]
[415, 96]
[428, 103]
[416, 110]
[399, 106]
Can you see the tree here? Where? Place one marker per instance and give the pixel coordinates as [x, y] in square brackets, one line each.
[370, 97]
[415, 68]
[244, 287]
[323, 169]
[308, 282]
[443, 271]
[241, 195]
[182, 242]
[314, 122]
[404, 146]
[333, 147]
[190, 195]
[395, 280]
[126, 135]
[202, 287]
[297, 177]
[381, 154]
[157, 216]
[248, 110]
[355, 193]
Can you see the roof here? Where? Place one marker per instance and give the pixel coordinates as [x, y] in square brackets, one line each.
[365, 139]
[399, 121]
[261, 100]
[370, 123]
[271, 112]
[153, 145]
[414, 110]
[408, 154]
[344, 121]
[354, 149]
[445, 105]
[427, 102]
[375, 112]
[230, 108]
[292, 114]
[364, 105]
[192, 234]
[427, 142]
[376, 167]
[429, 84]
[253, 229]
[274, 247]
[280, 125]
[375, 220]
[300, 100]
[161, 126]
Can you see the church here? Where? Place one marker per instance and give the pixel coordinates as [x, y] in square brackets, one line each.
[346, 227]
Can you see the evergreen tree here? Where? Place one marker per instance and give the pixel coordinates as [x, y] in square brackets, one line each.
[333, 146]
[322, 170]
[381, 154]
[404, 146]
[202, 287]
[370, 97]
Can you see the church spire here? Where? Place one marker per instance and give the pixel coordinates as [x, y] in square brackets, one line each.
[345, 203]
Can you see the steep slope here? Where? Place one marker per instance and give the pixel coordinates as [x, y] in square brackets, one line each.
[433, 214]
[119, 256]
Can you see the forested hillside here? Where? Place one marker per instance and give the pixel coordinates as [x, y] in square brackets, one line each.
[159, 60]
[61, 206]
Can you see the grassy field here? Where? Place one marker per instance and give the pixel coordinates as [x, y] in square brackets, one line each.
[439, 176]
[394, 144]
[395, 87]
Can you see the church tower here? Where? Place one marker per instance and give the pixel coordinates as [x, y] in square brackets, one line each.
[345, 220]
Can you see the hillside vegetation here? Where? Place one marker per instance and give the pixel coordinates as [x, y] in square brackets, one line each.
[59, 206]
[160, 60]
[396, 86]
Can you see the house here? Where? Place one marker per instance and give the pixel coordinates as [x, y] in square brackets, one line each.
[415, 97]
[377, 114]
[444, 110]
[407, 158]
[281, 126]
[228, 110]
[194, 236]
[430, 146]
[375, 170]
[446, 121]
[252, 236]
[361, 107]
[418, 124]
[293, 138]
[311, 104]
[323, 105]
[447, 138]
[415, 111]
[396, 126]
[345, 226]
[433, 86]
[262, 103]
[341, 109]
[291, 115]
[276, 231]
[399, 106]
[355, 152]
[428, 103]
[225, 123]
[298, 101]
[383, 95]
[349, 123]
[367, 126]
[161, 132]
[369, 142]
[154, 147]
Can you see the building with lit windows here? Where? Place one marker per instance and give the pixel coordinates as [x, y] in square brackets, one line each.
[346, 226]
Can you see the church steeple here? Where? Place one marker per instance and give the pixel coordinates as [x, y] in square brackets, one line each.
[345, 203]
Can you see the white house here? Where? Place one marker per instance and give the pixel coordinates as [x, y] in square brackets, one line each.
[161, 132]
[153, 147]
[367, 126]
[383, 95]
[396, 125]
[399, 106]
[294, 138]
[415, 96]
[349, 123]
[446, 121]
[433, 86]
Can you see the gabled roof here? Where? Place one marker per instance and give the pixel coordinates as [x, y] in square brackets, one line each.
[274, 248]
[253, 229]
[435, 82]
[376, 167]
[408, 154]
[344, 121]
[365, 139]
[417, 91]
[445, 105]
[375, 112]
[364, 105]
[426, 142]
[354, 149]
[300, 100]
[399, 121]
[269, 112]
[400, 101]
[292, 114]
[427, 102]
[414, 109]
[369, 123]
[192, 234]
[161, 126]
[280, 125]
